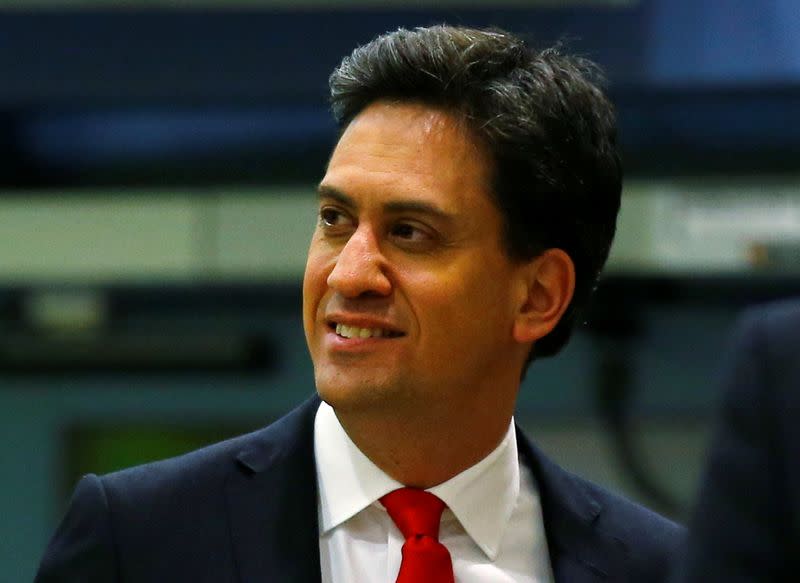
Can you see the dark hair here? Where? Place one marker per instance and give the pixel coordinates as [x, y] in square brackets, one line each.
[548, 127]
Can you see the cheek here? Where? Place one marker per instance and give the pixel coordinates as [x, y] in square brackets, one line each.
[318, 265]
[467, 301]
[314, 286]
[452, 298]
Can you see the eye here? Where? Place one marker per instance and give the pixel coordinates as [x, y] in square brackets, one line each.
[331, 217]
[410, 233]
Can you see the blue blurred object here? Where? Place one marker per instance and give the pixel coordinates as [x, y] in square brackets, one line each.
[84, 90]
[100, 138]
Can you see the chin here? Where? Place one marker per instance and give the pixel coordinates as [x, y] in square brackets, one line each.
[352, 394]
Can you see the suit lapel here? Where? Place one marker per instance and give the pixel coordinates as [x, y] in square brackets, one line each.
[272, 502]
[579, 551]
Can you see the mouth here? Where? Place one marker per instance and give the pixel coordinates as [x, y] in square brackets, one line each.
[345, 331]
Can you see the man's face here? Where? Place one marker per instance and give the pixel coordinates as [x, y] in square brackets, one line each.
[408, 296]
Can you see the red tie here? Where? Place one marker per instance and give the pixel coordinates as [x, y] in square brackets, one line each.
[417, 514]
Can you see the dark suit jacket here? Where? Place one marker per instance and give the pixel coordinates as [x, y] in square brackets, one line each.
[245, 510]
[746, 523]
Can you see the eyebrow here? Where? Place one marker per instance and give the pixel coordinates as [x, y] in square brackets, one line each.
[394, 206]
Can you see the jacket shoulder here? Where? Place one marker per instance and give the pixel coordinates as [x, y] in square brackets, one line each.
[171, 519]
[208, 467]
[639, 526]
[608, 530]
[652, 542]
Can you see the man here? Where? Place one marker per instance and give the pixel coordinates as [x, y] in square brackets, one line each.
[465, 215]
[746, 524]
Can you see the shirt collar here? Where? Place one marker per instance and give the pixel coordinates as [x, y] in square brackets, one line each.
[347, 480]
[482, 497]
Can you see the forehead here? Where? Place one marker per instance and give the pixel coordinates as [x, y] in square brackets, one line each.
[409, 149]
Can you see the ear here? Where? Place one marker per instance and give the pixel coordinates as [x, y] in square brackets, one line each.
[549, 282]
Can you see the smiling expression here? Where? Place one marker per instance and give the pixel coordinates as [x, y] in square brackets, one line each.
[409, 297]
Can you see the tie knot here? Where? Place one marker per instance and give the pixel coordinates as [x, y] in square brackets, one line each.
[415, 512]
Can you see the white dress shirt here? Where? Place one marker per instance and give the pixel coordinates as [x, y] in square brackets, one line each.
[492, 525]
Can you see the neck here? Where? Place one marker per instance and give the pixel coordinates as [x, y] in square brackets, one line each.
[423, 450]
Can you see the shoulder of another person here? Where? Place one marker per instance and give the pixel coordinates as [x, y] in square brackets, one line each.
[777, 322]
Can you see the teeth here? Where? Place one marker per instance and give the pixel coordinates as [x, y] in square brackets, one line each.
[355, 332]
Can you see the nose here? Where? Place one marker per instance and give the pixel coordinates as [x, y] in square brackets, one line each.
[360, 267]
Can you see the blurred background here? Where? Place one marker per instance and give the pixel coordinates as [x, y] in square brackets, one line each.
[158, 161]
